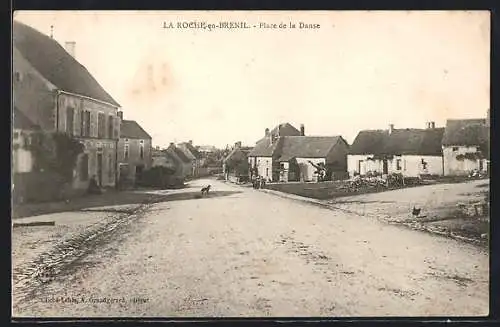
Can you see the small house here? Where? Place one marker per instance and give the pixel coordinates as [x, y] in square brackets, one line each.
[466, 144]
[410, 151]
[235, 164]
[134, 150]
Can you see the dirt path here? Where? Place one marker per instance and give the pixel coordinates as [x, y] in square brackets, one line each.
[254, 254]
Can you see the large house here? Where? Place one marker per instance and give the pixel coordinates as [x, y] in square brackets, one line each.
[466, 146]
[409, 151]
[134, 150]
[58, 94]
[286, 154]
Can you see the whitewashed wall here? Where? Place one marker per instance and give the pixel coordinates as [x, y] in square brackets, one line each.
[452, 166]
[22, 159]
[306, 169]
[412, 165]
[265, 167]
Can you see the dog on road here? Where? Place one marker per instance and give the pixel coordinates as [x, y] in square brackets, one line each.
[205, 190]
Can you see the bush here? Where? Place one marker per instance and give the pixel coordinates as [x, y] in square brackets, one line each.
[161, 177]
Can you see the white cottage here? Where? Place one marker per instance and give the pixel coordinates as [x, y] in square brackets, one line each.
[466, 146]
[409, 151]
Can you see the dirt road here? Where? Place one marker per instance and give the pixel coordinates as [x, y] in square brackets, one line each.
[255, 254]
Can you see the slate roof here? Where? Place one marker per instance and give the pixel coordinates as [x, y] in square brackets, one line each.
[264, 148]
[21, 121]
[466, 132]
[285, 129]
[51, 60]
[132, 130]
[401, 141]
[307, 146]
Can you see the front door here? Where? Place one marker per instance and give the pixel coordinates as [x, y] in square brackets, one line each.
[138, 172]
[99, 169]
[385, 167]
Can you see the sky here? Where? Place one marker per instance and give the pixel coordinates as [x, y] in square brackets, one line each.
[358, 70]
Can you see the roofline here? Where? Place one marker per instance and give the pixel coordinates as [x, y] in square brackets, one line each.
[88, 98]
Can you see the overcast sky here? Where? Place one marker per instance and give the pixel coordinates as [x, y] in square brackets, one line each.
[359, 70]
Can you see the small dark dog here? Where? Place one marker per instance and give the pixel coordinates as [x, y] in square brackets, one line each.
[205, 190]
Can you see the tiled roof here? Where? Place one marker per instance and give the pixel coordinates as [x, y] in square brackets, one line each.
[51, 60]
[21, 121]
[264, 147]
[190, 150]
[307, 146]
[131, 129]
[400, 141]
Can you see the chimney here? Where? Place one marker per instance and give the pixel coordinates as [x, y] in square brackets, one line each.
[267, 132]
[172, 144]
[157, 148]
[391, 128]
[433, 124]
[191, 142]
[237, 145]
[70, 48]
[302, 130]
[120, 114]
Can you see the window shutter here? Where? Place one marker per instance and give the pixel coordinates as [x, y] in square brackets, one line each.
[82, 122]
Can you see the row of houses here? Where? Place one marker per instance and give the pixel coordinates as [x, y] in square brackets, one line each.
[184, 159]
[54, 93]
[286, 154]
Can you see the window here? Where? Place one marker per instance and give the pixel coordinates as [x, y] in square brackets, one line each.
[87, 123]
[267, 172]
[126, 151]
[142, 151]
[82, 123]
[70, 118]
[27, 140]
[455, 148]
[101, 127]
[84, 167]
[110, 127]
[17, 76]
[424, 164]
[16, 135]
[111, 171]
[398, 164]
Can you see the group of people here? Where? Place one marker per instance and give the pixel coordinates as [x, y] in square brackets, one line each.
[258, 182]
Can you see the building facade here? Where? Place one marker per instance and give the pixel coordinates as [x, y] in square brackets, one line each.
[58, 94]
[410, 152]
[134, 150]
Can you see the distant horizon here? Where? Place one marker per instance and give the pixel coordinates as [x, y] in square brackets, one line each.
[220, 87]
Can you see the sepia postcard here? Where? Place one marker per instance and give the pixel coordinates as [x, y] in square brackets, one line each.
[250, 164]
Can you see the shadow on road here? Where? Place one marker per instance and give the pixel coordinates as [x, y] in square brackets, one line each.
[106, 200]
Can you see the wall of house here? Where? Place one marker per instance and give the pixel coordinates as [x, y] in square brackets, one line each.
[306, 169]
[95, 144]
[284, 174]
[22, 159]
[134, 154]
[265, 167]
[94, 148]
[412, 165]
[452, 166]
[33, 94]
[366, 165]
[337, 157]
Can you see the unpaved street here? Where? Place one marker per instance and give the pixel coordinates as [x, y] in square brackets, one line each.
[255, 254]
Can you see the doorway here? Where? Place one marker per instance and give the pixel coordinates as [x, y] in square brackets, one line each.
[138, 173]
[385, 167]
[99, 169]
